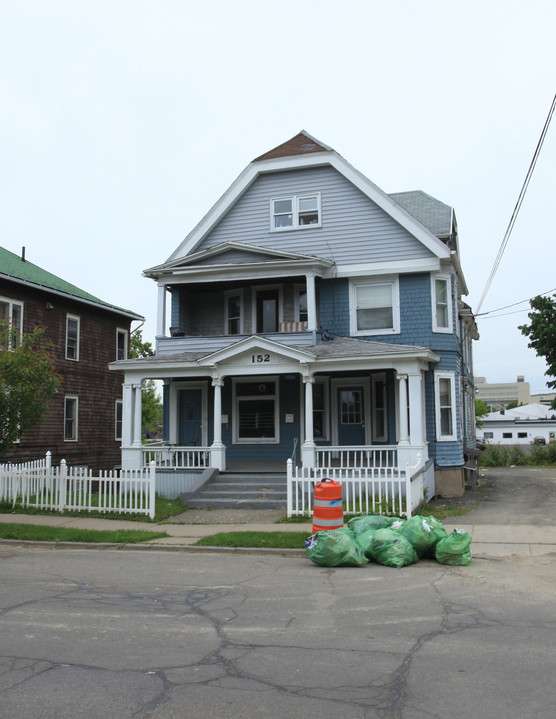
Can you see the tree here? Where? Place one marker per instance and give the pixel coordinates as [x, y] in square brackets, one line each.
[28, 382]
[542, 332]
[151, 403]
[481, 409]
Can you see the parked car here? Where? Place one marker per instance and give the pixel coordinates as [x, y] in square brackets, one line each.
[539, 440]
[481, 443]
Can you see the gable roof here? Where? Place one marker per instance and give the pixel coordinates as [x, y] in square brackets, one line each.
[296, 153]
[301, 144]
[15, 268]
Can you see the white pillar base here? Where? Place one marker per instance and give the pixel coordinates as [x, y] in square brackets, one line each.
[218, 456]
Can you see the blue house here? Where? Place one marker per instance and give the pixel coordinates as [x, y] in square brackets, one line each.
[311, 316]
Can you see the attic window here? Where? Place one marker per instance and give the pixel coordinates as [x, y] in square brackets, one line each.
[295, 212]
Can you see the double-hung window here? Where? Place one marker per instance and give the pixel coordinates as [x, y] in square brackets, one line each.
[295, 212]
[11, 321]
[445, 392]
[118, 419]
[234, 319]
[72, 337]
[441, 303]
[71, 407]
[374, 306]
[121, 344]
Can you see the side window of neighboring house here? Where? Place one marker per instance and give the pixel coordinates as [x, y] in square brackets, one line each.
[234, 316]
[488, 435]
[118, 419]
[72, 337]
[441, 303]
[445, 406]
[121, 344]
[507, 435]
[295, 212]
[374, 306]
[71, 408]
[11, 316]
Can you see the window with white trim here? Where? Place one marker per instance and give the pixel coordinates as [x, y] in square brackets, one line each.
[441, 303]
[121, 344]
[72, 337]
[71, 408]
[445, 392]
[374, 306]
[379, 407]
[295, 212]
[118, 420]
[256, 411]
[321, 420]
[234, 318]
[300, 310]
[11, 317]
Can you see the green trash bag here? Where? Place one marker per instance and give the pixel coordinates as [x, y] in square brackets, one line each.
[370, 521]
[454, 549]
[364, 540]
[423, 533]
[334, 548]
[391, 548]
[397, 524]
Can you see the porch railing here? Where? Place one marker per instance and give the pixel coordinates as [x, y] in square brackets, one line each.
[344, 457]
[168, 457]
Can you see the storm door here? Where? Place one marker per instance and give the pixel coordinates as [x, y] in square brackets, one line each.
[351, 415]
[190, 409]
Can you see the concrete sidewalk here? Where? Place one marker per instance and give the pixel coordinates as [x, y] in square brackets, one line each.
[488, 540]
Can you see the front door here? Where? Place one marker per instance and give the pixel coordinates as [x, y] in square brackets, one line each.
[191, 418]
[267, 310]
[351, 415]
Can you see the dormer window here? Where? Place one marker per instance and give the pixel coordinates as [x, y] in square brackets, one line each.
[295, 212]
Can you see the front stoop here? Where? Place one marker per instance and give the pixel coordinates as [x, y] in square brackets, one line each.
[234, 490]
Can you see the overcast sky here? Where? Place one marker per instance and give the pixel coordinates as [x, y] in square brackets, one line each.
[122, 122]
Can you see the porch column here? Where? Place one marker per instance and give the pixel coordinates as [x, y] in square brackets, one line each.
[161, 312]
[311, 302]
[417, 429]
[127, 415]
[308, 448]
[137, 415]
[402, 409]
[217, 449]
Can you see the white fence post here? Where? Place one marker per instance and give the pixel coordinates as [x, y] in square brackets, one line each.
[152, 493]
[408, 497]
[289, 487]
[62, 486]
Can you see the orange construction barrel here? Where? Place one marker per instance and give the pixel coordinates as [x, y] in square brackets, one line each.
[328, 511]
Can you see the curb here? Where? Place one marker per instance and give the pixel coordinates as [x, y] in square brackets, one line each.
[183, 548]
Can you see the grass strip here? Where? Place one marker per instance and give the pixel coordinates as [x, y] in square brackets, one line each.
[272, 540]
[36, 533]
[164, 508]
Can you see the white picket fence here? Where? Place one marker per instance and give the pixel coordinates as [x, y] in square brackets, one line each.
[365, 490]
[38, 484]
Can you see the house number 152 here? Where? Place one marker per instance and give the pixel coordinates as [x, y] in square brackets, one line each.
[260, 358]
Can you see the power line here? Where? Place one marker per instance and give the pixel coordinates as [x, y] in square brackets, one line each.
[517, 207]
[499, 309]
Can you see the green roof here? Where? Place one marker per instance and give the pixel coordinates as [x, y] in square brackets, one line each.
[12, 266]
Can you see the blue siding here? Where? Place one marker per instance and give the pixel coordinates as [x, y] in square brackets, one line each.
[354, 229]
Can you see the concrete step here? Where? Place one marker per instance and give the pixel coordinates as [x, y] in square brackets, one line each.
[203, 503]
[234, 490]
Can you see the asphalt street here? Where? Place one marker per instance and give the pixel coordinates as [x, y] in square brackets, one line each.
[108, 634]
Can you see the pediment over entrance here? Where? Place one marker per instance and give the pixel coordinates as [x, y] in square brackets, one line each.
[258, 355]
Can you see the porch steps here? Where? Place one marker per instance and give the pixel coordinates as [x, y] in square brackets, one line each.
[234, 490]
